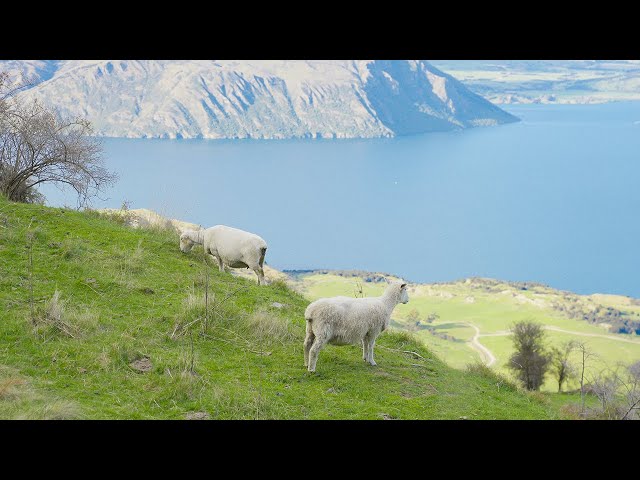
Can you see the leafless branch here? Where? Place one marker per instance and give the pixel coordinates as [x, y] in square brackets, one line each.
[37, 145]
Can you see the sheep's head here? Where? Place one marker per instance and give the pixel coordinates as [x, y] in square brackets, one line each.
[398, 291]
[404, 294]
[186, 244]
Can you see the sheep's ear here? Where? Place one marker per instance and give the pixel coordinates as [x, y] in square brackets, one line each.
[403, 285]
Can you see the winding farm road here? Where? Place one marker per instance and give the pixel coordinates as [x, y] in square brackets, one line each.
[489, 358]
[485, 353]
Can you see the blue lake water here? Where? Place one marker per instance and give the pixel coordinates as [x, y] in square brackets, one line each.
[552, 199]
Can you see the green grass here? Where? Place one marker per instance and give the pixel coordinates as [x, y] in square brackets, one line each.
[128, 295]
[492, 309]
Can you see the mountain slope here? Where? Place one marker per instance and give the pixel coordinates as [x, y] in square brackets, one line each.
[128, 339]
[258, 99]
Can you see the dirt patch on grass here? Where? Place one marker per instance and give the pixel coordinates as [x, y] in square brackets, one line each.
[7, 386]
[142, 365]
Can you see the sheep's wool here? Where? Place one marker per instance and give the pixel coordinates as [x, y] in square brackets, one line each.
[346, 320]
[230, 246]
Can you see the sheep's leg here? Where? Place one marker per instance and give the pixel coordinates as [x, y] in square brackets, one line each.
[213, 259]
[365, 350]
[371, 344]
[308, 342]
[220, 264]
[314, 351]
[260, 274]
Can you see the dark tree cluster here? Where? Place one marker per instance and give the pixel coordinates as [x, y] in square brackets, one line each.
[530, 360]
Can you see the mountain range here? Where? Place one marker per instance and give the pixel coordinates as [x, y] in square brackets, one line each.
[256, 99]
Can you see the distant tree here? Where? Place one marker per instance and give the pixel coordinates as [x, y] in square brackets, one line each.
[585, 354]
[529, 361]
[359, 292]
[605, 386]
[634, 373]
[413, 320]
[560, 364]
[633, 392]
[617, 391]
[39, 146]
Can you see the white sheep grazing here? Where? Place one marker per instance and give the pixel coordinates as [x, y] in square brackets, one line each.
[231, 247]
[346, 320]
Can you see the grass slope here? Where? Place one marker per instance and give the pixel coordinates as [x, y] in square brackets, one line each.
[130, 301]
[493, 307]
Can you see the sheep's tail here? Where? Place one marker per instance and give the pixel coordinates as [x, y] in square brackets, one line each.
[308, 313]
[263, 252]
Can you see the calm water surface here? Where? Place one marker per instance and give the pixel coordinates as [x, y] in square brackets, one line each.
[553, 199]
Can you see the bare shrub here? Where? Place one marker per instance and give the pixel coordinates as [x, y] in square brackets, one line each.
[561, 367]
[38, 146]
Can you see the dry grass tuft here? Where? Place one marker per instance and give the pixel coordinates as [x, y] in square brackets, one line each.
[7, 387]
[55, 319]
[265, 327]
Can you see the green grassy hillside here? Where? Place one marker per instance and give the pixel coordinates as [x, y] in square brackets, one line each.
[492, 307]
[128, 336]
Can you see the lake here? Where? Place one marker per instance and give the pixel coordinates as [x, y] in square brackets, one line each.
[552, 199]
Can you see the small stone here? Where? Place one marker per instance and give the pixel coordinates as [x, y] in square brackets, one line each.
[386, 416]
[197, 416]
[279, 394]
[464, 418]
[331, 390]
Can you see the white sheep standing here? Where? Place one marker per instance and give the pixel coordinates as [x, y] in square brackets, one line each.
[230, 246]
[346, 320]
